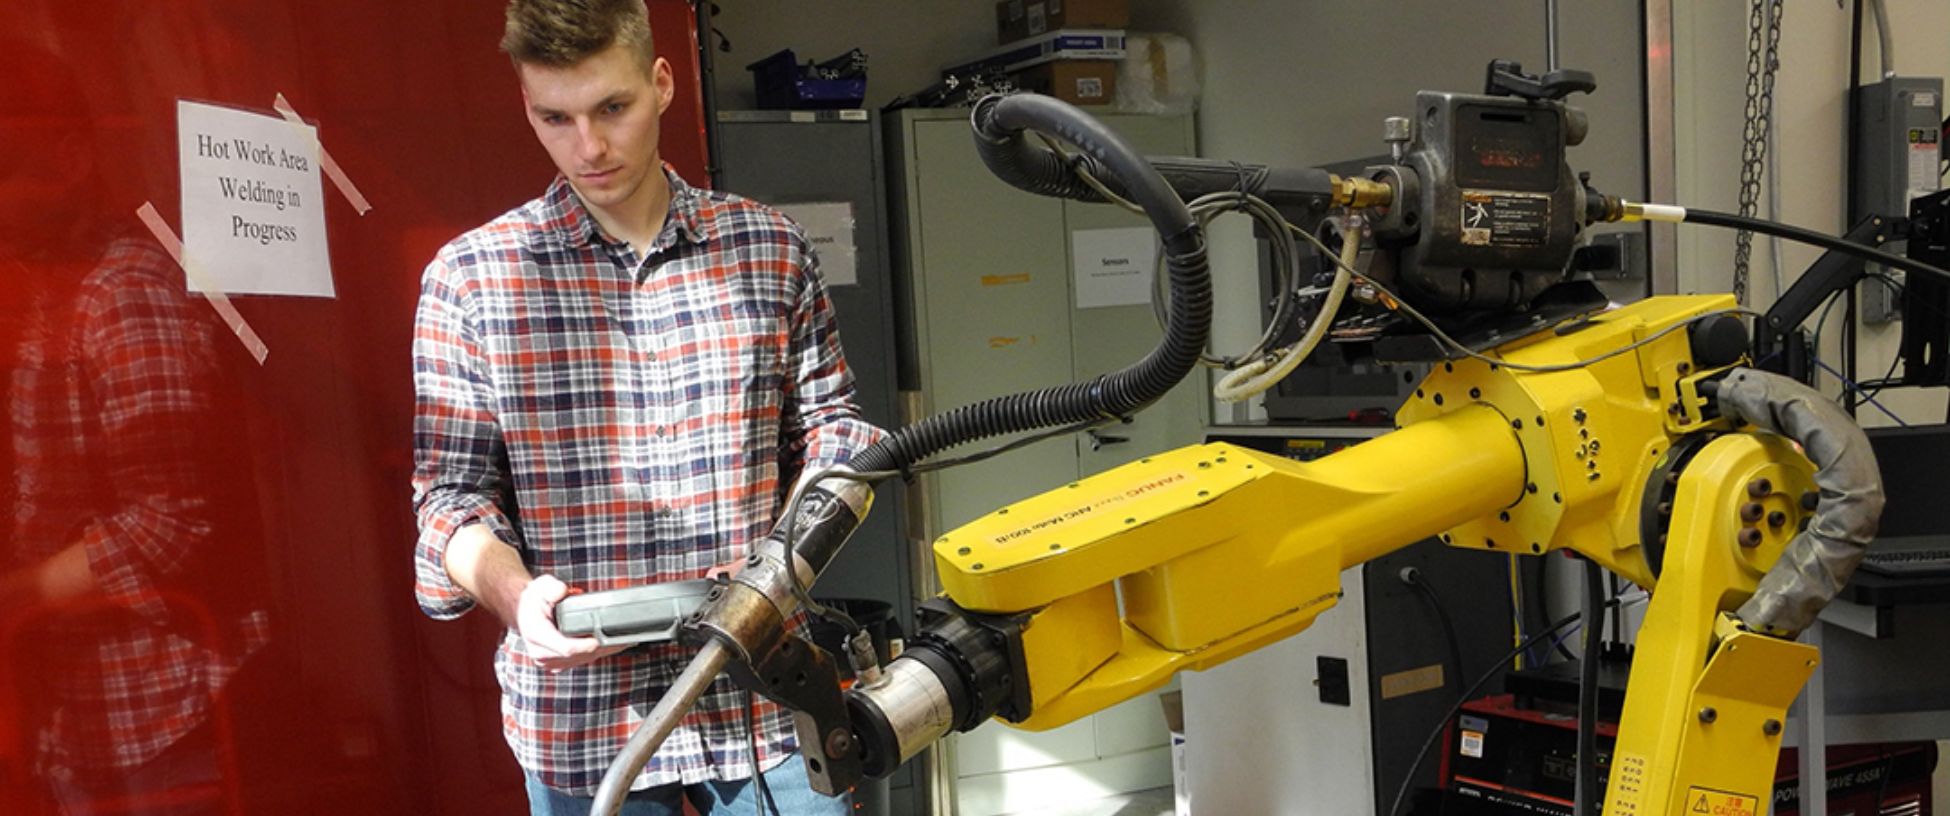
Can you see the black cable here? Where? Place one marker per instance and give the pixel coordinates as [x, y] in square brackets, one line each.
[1882, 786]
[1587, 796]
[761, 792]
[1000, 127]
[1875, 387]
[1850, 348]
[1413, 577]
[1544, 610]
[1617, 618]
[1421, 756]
[1715, 218]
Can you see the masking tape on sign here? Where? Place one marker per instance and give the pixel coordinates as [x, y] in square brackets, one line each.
[167, 237]
[332, 169]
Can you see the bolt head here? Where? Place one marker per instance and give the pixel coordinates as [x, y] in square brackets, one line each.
[1771, 728]
[1750, 538]
[838, 742]
[1708, 715]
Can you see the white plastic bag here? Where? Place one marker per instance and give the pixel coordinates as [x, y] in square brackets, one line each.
[1159, 75]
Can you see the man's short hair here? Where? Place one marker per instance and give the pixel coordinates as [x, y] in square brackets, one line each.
[561, 33]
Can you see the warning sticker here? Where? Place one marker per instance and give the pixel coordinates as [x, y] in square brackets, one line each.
[1924, 155]
[1472, 744]
[1709, 802]
[1505, 219]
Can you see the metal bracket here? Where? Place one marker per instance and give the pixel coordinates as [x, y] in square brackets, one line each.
[804, 678]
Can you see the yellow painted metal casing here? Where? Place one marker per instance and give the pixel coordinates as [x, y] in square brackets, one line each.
[1214, 551]
[1708, 574]
[1589, 434]
[1217, 550]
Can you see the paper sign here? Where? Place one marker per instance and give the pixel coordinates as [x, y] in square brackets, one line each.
[829, 226]
[1113, 267]
[253, 207]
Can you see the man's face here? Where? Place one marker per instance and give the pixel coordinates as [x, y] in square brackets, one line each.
[598, 121]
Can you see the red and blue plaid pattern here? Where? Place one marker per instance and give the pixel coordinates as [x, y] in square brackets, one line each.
[115, 400]
[622, 420]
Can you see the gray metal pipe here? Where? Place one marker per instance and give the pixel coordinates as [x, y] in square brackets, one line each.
[656, 727]
[1550, 34]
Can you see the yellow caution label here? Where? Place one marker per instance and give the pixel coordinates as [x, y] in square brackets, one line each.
[1709, 802]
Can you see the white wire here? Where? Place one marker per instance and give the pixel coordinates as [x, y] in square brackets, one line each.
[1262, 373]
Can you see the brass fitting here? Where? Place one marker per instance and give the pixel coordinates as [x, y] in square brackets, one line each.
[1360, 193]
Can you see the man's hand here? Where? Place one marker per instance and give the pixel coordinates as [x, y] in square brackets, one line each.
[535, 621]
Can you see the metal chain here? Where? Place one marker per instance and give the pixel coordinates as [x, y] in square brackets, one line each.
[1763, 59]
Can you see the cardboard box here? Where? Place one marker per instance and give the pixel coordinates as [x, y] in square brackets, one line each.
[1096, 44]
[1078, 82]
[1016, 19]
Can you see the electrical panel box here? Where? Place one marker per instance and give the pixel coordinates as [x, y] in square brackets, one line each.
[1330, 719]
[1899, 127]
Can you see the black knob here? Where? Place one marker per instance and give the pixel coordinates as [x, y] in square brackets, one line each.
[1506, 78]
[1718, 341]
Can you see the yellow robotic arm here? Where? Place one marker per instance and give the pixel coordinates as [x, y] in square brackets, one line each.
[1628, 436]
[1216, 551]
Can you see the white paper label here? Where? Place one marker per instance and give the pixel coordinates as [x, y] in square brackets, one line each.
[1113, 267]
[1089, 88]
[830, 227]
[253, 208]
[1925, 157]
[1472, 744]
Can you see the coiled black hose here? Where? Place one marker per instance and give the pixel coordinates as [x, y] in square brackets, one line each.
[1000, 126]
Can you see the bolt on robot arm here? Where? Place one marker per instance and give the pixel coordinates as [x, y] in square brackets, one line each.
[1628, 436]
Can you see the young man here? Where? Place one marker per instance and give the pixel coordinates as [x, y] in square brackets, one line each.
[616, 384]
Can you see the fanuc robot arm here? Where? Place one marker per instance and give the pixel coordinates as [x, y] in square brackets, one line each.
[1633, 436]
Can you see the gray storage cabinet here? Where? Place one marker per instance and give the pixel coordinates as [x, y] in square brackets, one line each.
[790, 159]
[989, 306]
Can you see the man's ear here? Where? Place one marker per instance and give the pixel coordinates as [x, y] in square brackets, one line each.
[661, 78]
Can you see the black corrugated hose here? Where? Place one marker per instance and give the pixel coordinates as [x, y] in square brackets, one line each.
[1001, 123]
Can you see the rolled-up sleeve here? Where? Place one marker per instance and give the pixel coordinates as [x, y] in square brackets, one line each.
[822, 424]
[460, 472]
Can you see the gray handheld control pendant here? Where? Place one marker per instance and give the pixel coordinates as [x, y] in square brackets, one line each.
[644, 614]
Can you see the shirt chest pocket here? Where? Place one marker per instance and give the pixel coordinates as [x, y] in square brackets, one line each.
[732, 358]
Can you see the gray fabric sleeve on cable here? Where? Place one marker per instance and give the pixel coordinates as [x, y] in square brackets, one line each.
[1818, 562]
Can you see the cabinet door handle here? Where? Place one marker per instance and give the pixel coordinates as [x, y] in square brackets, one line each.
[1098, 440]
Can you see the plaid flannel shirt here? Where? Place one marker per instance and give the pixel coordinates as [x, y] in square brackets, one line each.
[622, 420]
[116, 435]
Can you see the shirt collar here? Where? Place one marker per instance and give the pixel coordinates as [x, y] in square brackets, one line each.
[572, 221]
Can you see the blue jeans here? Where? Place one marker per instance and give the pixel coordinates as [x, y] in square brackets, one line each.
[790, 790]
